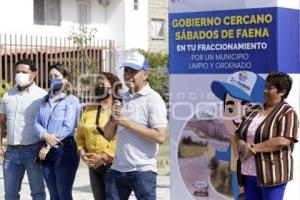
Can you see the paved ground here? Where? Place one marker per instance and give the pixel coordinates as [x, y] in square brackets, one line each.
[82, 190]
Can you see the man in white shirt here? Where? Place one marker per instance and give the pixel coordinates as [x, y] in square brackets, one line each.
[17, 112]
[140, 124]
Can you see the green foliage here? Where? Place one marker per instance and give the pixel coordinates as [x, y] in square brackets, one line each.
[156, 59]
[221, 179]
[192, 150]
[159, 81]
[158, 78]
[4, 87]
[163, 157]
[81, 37]
[213, 165]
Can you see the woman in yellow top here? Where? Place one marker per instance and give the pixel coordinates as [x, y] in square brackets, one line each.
[93, 148]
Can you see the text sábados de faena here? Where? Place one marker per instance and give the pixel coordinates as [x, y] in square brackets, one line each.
[227, 20]
[217, 34]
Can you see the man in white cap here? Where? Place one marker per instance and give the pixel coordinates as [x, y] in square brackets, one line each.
[140, 124]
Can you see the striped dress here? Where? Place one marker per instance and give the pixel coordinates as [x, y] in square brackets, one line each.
[272, 168]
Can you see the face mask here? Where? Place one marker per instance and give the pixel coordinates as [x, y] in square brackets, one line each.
[56, 84]
[101, 92]
[22, 79]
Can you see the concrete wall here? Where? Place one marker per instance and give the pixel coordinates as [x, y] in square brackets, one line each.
[115, 18]
[136, 25]
[158, 9]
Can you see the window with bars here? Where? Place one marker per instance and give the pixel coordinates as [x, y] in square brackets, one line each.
[158, 29]
[47, 12]
[83, 11]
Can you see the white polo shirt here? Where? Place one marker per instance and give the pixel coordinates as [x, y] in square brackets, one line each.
[134, 153]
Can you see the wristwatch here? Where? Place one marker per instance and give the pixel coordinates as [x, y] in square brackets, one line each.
[48, 146]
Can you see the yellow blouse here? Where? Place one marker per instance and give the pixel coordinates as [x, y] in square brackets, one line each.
[89, 138]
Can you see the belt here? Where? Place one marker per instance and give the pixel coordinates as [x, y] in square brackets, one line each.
[67, 141]
[17, 146]
[20, 146]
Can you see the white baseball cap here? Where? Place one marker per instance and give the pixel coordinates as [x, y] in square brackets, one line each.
[136, 61]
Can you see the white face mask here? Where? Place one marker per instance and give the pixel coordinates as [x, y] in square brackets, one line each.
[22, 79]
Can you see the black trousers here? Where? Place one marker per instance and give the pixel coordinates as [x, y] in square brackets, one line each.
[97, 181]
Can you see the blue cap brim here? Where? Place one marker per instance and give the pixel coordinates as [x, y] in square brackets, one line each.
[132, 66]
[221, 88]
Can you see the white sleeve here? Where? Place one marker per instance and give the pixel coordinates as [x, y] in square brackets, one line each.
[157, 113]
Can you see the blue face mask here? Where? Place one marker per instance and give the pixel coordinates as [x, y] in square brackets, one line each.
[56, 84]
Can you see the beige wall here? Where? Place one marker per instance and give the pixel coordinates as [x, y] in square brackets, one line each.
[158, 9]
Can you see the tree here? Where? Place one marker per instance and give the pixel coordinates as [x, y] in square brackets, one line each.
[159, 77]
[213, 165]
[4, 87]
[81, 37]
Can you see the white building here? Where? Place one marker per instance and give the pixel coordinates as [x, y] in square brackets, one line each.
[124, 21]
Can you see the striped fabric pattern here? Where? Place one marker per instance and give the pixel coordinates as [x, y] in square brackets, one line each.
[20, 111]
[273, 168]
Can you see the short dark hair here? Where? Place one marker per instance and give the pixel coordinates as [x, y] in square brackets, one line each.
[282, 81]
[29, 62]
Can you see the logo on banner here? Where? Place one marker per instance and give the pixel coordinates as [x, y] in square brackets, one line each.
[243, 76]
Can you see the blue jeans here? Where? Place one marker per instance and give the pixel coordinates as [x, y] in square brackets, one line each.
[119, 185]
[59, 168]
[252, 191]
[16, 161]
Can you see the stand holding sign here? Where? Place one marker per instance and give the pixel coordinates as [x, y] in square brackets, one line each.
[220, 53]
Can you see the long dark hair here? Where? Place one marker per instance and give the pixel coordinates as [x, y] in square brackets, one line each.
[114, 82]
[116, 85]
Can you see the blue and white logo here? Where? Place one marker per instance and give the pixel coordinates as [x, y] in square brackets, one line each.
[243, 76]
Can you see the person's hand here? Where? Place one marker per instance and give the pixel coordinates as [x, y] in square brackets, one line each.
[51, 139]
[117, 114]
[253, 147]
[246, 151]
[116, 110]
[1, 153]
[83, 155]
[95, 160]
[43, 152]
[107, 158]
